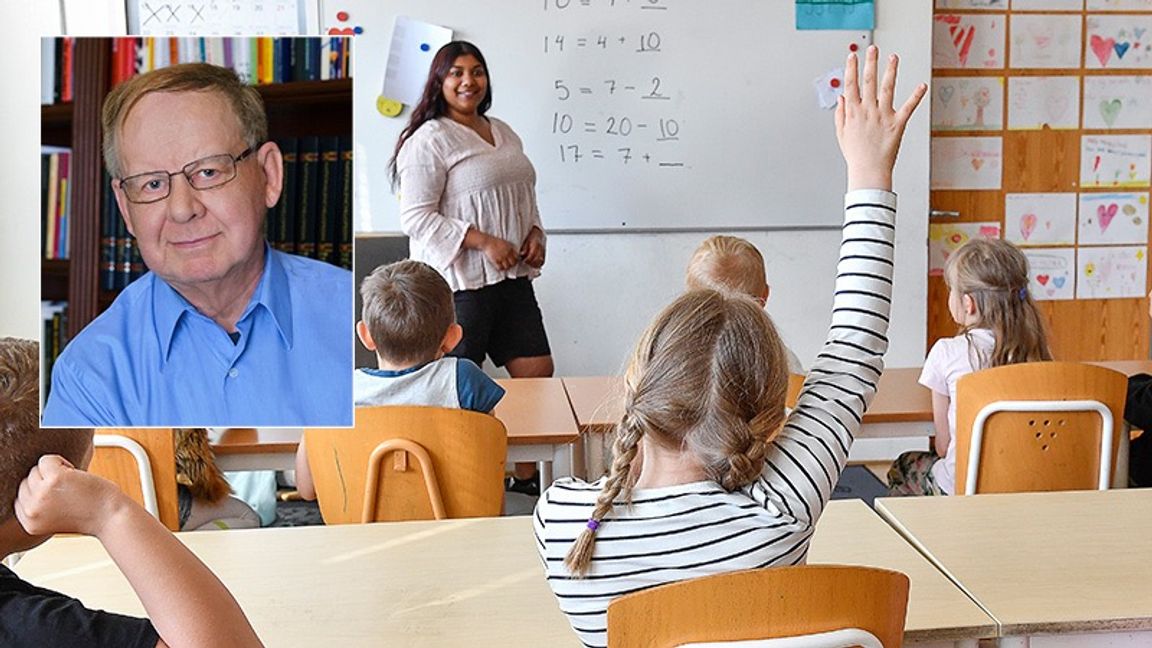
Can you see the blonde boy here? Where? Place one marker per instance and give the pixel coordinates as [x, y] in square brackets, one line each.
[409, 320]
[44, 490]
[733, 265]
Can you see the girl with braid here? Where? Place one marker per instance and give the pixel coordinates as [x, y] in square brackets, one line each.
[705, 478]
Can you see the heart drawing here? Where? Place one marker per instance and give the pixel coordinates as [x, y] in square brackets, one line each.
[1109, 110]
[946, 94]
[1043, 279]
[1027, 225]
[1121, 48]
[1102, 48]
[977, 163]
[1105, 215]
[1059, 281]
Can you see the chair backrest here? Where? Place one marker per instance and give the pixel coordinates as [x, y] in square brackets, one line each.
[1026, 439]
[763, 604]
[142, 462]
[409, 463]
[795, 384]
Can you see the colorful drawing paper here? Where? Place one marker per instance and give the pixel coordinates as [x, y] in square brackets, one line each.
[968, 41]
[1119, 41]
[968, 103]
[1036, 102]
[1113, 218]
[1111, 272]
[1040, 218]
[1118, 102]
[946, 238]
[966, 162]
[1115, 160]
[1051, 273]
[983, 5]
[1045, 41]
[1119, 5]
[835, 14]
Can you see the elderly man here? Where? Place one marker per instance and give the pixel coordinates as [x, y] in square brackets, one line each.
[223, 330]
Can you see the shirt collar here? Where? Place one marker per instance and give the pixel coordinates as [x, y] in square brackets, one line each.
[395, 373]
[273, 293]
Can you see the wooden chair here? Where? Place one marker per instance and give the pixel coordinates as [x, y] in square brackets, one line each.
[766, 604]
[1040, 426]
[142, 462]
[446, 463]
[795, 384]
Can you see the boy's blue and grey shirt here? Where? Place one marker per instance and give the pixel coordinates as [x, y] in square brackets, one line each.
[447, 382]
[690, 530]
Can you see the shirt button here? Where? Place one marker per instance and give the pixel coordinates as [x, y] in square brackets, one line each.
[233, 372]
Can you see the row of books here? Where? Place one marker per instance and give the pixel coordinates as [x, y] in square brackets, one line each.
[55, 321]
[55, 201]
[313, 217]
[257, 60]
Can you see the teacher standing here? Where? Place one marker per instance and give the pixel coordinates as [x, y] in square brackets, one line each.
[468, 205]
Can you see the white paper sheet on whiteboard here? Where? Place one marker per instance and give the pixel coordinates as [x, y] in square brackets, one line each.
[192, 18]
[414, 43]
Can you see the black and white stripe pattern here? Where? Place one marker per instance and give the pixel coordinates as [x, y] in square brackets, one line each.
[690, 530]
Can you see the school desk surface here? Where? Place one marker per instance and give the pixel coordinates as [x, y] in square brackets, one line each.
[474, 582]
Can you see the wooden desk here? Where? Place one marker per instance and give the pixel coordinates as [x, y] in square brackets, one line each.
[902, 406]
[540, 423]
[474, 582]
[1042, 563]
[850, 533]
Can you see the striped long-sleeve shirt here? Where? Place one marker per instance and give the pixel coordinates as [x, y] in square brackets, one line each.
[690, 530]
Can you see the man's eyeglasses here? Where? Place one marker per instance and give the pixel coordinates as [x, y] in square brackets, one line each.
[205, 173]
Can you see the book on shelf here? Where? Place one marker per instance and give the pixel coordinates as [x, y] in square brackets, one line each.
[344, 238]
[56, 200]
[54, 316]
[307, 201]
[282, 217]
[328, 210]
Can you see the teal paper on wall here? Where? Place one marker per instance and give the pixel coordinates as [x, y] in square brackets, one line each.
[835, 14]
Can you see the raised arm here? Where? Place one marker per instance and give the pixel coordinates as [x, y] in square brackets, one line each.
[806, 459]
[188, 605]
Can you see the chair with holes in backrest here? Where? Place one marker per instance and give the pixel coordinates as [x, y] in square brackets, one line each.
[409, 463]
[1039, 426]
[142, 462]
[810, 606]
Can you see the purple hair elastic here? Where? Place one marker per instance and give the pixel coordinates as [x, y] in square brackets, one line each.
[593, 524]
[1023, 293]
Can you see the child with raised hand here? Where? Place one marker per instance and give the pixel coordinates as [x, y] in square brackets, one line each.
[704, 478]
[43, 491]
[999, 325]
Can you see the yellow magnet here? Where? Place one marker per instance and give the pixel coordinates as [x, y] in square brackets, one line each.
[388, 107]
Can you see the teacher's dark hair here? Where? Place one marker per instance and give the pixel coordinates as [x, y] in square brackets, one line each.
[432, 103]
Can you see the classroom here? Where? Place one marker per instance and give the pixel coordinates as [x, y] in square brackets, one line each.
[578, 323]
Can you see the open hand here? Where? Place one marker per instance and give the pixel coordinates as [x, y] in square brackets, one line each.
[532, 250]
[58, 498]
[868, 128]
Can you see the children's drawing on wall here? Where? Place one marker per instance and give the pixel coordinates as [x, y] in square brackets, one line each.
[967, 103]
[969, 41]
[1036, 102]
[1047, 5]
[835, 14]
[1119, 5]
[1044, 41]
[986, 5]
[966, 162]
[1114, 218]
[1040, 218]
[1111, 272]
[1115, 160]
[946, 238]
[1119, 42]
[1117, 102]
[1050, 273]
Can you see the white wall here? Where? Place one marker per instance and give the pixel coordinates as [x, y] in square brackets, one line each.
[599, 291]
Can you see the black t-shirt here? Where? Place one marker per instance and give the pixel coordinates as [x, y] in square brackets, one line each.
[34, 617]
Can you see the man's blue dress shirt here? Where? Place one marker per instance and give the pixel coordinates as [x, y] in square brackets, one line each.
[152, 360]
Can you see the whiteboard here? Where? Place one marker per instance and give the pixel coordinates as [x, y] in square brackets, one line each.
[637, 114]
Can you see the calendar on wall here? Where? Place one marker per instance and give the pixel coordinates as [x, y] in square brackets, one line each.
[222, 17]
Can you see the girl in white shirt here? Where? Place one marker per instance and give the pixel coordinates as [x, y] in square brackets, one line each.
[999, 325]
[705, 479]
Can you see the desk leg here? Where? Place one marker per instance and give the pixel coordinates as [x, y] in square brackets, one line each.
[545, 468]
[1014, 642]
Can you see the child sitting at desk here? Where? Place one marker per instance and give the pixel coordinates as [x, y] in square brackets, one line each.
[409, 320]
[704, 478]
[999, 325]
[728, 263]
[44, 490]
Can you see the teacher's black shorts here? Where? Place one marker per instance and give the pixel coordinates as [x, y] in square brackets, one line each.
[501, 321]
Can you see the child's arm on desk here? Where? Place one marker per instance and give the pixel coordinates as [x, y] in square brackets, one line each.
[187, 604]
